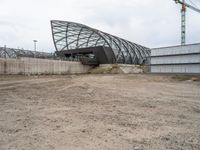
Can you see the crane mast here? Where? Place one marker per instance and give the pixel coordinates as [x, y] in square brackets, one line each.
[183, 23]
[183, 18]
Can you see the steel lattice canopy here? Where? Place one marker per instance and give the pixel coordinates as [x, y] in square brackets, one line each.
[15, 53]
[70, 36]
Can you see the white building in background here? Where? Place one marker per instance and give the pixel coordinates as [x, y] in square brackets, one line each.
[176, 59]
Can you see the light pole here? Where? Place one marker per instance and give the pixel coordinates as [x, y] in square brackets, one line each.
[35, 44]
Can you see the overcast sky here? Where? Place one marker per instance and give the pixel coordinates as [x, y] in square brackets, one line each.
[152, 23]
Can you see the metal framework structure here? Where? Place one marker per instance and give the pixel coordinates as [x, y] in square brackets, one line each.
[70, 35]
[15, 53]
[183, 17]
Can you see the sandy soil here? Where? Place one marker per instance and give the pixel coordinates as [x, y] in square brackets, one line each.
[99, 112]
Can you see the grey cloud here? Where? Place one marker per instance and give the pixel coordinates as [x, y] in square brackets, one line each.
[150, 22]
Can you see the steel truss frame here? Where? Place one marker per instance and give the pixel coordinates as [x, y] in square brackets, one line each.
[15, 53]
[70, 35]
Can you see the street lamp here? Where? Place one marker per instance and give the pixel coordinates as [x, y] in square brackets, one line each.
[35, 44]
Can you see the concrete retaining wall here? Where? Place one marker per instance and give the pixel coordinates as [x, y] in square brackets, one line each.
[40, 66]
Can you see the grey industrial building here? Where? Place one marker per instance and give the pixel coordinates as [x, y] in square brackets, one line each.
[176, 59]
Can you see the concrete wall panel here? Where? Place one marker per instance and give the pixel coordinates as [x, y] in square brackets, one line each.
[193, 58]
[193, 68]
[193, 48]
[40, 66]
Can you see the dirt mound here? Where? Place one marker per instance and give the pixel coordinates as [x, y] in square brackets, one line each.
[117, 69]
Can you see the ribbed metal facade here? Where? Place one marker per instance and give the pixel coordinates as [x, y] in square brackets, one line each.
[176, 59]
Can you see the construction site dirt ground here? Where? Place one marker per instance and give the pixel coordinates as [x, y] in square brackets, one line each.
[99, 112]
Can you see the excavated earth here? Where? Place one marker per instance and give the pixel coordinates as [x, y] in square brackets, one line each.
[99, 112]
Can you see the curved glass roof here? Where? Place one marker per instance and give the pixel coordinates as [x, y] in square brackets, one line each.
[70, 35]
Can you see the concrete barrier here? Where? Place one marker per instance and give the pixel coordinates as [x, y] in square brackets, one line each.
[41, 66]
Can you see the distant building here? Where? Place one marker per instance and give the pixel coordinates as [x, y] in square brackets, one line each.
[176, 59]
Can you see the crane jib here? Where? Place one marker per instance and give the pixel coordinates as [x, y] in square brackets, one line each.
[183, 17]
[188, 5]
